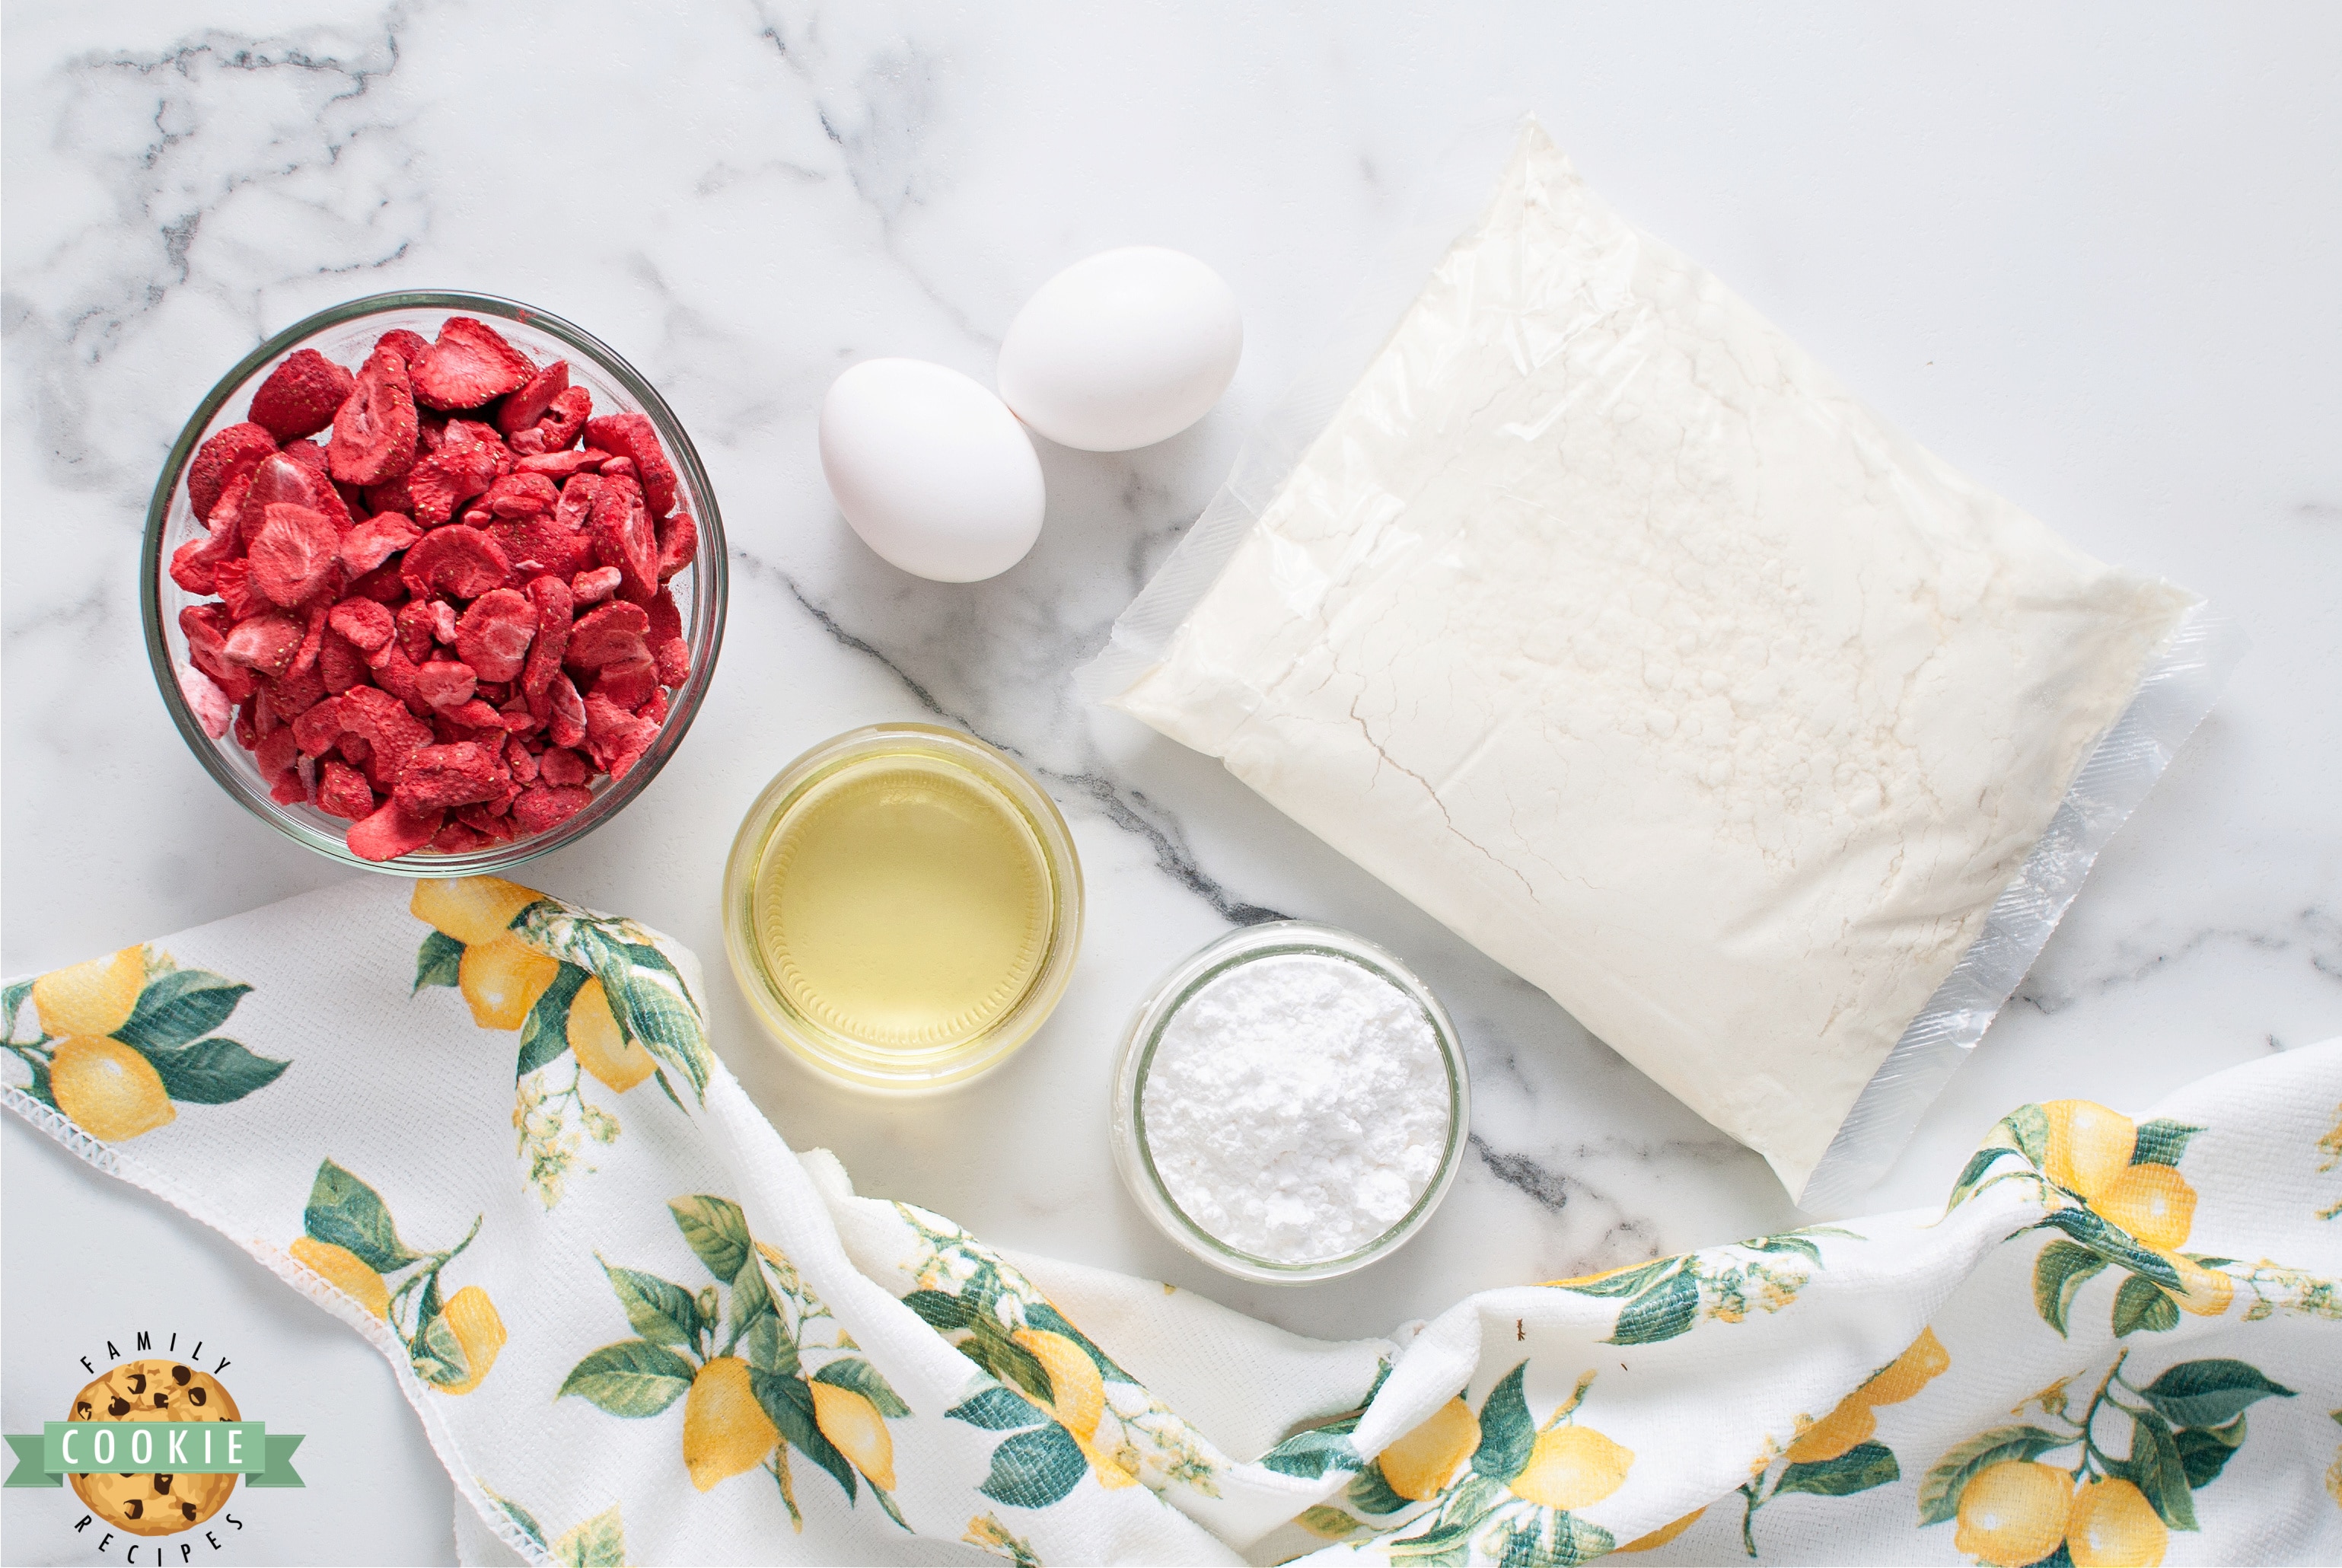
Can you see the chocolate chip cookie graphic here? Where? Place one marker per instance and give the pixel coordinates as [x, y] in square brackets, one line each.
[160, 1503]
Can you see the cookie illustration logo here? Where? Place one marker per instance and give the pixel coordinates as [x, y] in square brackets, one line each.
[153, 1446]
[159, 1502]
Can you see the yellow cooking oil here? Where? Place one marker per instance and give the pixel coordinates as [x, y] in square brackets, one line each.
[904, 904]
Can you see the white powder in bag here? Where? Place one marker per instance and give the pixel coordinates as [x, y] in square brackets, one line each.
[1297, 1107]
[1605, 625]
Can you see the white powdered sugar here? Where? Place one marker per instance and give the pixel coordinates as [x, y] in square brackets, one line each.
[1297, 1107]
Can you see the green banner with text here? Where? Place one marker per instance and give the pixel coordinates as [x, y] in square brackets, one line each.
[44, 1458]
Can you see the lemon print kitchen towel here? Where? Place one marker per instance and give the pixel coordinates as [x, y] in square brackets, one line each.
[637, 1327]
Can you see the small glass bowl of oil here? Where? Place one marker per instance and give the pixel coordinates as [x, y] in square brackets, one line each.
[902, 906]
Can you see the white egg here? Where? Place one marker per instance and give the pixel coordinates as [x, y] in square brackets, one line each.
[931, 469]
[1125, 349]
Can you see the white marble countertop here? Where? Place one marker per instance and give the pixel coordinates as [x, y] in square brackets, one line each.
[2087, 255]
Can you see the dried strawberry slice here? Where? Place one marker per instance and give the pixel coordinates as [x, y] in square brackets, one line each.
[410, 346]
[445, 683]
[495, 633]
[632, 436]
[525, 406]
[615, 738]
[312, 456]
[564, 723]
[340, 665]
[301, 394]
[211, 707]
[540, 544]
[678, 542]
[622, 537]
[522, 495]
[343, 793]
[375, 432]
[458, 560]
[296, 553]
[609, 636]
[628, 683]
[557, 465]
[392, 830]
[469, 364]
[551, 597]
[560, 765]
[364, 624]
[593, 587]
[236, 450]
[564, 419]
[468, 461]
[371, 542]
[279, 479]
[393, 733]
[545, 806]
[439, 777]
[265, 644]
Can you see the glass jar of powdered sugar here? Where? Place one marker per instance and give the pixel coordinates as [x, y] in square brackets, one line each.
[1291, 1103]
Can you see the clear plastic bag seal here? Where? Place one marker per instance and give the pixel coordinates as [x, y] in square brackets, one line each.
[2177, 688]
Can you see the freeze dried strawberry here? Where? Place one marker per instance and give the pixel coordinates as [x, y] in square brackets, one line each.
[678, 542]
[313, 641]
[367, 624]
[340, 665]
[264, 643]
[317, 730]
[672, 658]
[394, 671]
[540, 544]
[296, 554]
[493, 636]
[629, 682]
[564, 721]
[278, 480]
[371, 542]
[246, 723]
[391, 496]
[555, 465]
[593, 587]
[384, 585]
[458, 560]
[439, 777]
[211, 707]
[343, 792]
[469, 364]
[490, 821]
[383, 722]
[551, 597]
[560, 765]
[375, 429]
[392, 831]
[464, 466]
[206, 627]
[622, 537]
[632, 437]
[541, 806]
[443, 620]
[473, 717]
[410, 346]
[444, 682]
[607, 636]
[575, 508]
[232, 580]
[275, 755]
[527, 405]
[301, 394]
[522, 495]
[418, 629]
[234, 451]
[613, 737]
[455, 838]
[564, 419]
[663, 619]
[312, 456]
[195, 564]
[519, 760]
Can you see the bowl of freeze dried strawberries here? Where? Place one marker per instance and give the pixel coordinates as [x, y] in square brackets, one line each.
[434, 582]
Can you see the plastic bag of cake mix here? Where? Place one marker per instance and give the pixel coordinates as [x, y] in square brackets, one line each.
[1577, 603]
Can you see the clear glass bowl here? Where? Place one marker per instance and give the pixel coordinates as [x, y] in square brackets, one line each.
[1129, 1122]
[851, 1043]
[345, 334]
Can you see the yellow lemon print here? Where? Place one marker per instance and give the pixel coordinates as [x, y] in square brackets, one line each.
[1419, 1464]
[854, 1425]
[111, 1091]
[1850, 1425]
[601, 1047]
[2112, 1525]
[2013, 1513]
[2089, 1146]
[2153, 1203]
[2203, 1292]
[93, 998]
[1572, 1467]
[1664, 1533]
[501, 980]
[343, 1267]
[1921, 1362]
[1077, 1397]
[1589, 1279]
[477, 1328]
[471, 909]
[724, 1429]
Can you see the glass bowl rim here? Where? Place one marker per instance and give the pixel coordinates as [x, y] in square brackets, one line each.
[1245, 945]
[706, 627]
[997, 771]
